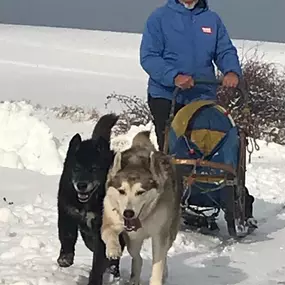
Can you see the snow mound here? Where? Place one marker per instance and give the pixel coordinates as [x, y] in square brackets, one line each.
[26, 141]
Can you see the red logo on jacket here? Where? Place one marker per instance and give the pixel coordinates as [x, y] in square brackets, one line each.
[207, 30]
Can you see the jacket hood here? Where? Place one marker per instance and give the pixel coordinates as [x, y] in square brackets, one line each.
[200, 7]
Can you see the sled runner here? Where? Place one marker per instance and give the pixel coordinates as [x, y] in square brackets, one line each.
[209, 151]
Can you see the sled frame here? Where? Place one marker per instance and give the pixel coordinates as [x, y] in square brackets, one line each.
[235, 178]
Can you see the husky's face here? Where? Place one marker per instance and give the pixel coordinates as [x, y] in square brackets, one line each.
[134, 188]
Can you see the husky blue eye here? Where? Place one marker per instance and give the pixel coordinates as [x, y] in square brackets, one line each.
[140, 193]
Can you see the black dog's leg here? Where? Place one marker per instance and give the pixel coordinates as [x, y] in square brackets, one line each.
[99, 263]
[68, 233]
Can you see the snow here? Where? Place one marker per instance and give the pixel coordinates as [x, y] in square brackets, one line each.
[53, 66]
[26, 142]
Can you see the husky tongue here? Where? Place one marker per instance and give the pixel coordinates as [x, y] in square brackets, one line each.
[132, 224]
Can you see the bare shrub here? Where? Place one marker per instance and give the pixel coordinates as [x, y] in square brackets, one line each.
[265, 85]
[135, 112]
[76, 113]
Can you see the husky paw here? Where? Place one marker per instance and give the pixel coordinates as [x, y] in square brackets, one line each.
[65, 260]
[113, 251]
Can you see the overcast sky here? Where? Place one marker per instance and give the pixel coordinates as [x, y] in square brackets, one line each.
[245, 19]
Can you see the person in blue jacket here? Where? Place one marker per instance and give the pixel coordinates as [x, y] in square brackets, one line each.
[180, 42]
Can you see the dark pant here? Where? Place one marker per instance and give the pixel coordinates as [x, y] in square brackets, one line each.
[160, 109]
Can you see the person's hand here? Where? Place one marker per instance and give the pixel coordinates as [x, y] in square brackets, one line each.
[184, 81]
[230, 80]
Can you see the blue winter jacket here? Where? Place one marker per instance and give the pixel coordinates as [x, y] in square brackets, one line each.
[178, 40]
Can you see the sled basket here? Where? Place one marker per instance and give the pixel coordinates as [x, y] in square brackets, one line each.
[204, 142]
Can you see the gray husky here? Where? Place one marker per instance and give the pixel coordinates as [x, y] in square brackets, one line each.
[142, 200]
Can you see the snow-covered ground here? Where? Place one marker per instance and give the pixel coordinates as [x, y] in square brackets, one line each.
[58, 66]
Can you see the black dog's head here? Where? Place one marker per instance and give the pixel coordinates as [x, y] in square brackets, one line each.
[91, 159]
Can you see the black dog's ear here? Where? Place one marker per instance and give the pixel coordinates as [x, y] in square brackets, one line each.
[74, 144]
[72, 148]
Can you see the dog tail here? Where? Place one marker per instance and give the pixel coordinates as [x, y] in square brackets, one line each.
[142, 139]
[104, 126]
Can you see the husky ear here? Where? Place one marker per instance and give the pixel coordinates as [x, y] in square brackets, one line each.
[142, 140]
[117, 164]
[160, 167]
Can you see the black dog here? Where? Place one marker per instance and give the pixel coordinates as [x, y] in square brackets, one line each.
[80, 198]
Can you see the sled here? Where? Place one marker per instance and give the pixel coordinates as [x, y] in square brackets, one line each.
[209, 153]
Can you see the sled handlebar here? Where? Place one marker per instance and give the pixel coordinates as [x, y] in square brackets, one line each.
[210, 82]
[240, 88]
